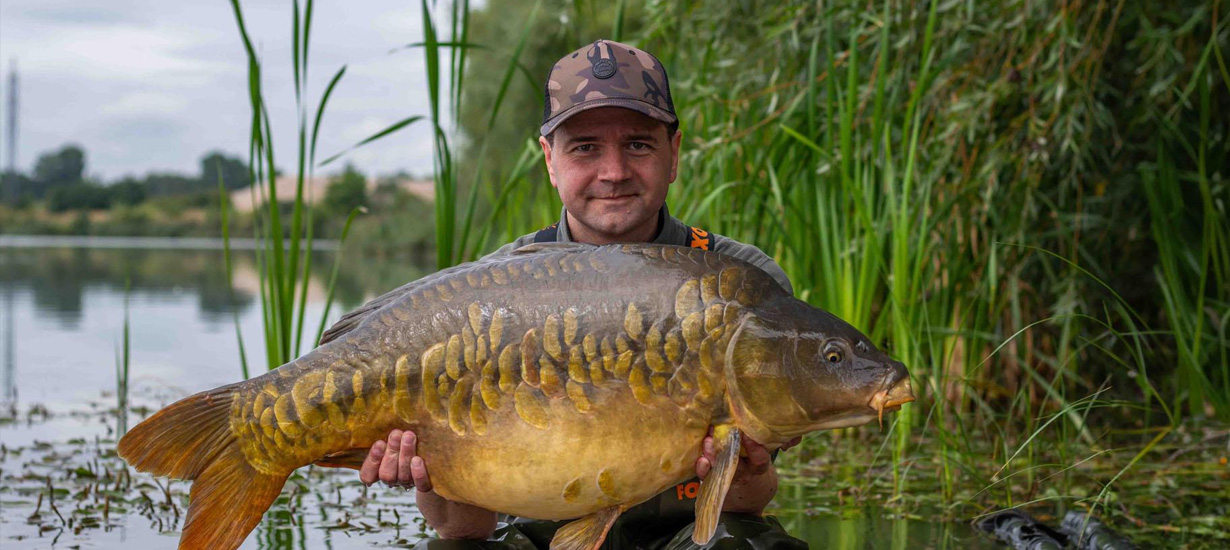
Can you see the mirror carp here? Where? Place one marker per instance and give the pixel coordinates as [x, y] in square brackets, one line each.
[561, 381]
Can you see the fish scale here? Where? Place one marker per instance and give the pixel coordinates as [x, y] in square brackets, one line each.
[618, 358]
[450, 402]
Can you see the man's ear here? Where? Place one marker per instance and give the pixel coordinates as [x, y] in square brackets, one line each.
[546, 156]
[675, 141]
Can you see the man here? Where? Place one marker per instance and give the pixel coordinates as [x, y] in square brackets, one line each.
[611, 144]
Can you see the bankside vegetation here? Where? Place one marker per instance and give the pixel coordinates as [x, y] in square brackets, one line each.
[1024, 202]
[58, 198]
[59, 178]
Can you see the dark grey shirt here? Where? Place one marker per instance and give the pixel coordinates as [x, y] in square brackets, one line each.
[674, 231]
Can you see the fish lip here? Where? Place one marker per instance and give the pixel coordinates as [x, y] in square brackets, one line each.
[896, 392]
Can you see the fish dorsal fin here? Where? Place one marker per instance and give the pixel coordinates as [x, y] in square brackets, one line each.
[550, 247]
[713, 488]
[352, 320]
[588, 532]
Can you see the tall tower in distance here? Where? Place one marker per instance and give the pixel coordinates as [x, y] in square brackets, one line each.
[10, 126]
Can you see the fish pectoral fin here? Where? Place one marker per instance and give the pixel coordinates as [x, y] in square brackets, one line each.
[346, 458]
[588, 532]
[713, 488]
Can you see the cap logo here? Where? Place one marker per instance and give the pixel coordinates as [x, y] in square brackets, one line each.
[604, 67]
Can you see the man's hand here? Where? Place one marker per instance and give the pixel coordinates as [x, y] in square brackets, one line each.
[397, 464]
[755, 480]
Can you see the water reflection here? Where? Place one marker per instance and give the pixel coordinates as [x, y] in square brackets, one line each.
[8, 366]
[62, 311]
[57, 278]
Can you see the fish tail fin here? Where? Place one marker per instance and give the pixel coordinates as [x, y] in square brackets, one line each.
[192, 439]
[227, 502]
[184, 438]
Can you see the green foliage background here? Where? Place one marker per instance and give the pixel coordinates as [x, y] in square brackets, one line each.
[1023, 201]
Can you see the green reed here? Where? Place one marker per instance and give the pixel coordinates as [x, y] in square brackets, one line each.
[454, 241]
[123, 359]
[1193, 245]
[284, 253]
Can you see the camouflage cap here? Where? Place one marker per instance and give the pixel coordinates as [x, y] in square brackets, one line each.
[606, 74]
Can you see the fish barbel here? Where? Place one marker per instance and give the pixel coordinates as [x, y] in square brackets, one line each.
[582, 378]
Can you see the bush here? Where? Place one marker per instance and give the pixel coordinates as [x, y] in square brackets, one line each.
[346, 192]
[78, 196]
[128, 192]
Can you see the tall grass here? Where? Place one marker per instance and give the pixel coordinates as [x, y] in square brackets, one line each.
[123, 359]
[1024, 204]
[284, 258]
[877, 154]
[1193, 244]
[456, 238]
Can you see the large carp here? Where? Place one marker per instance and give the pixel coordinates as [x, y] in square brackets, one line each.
[562, 381]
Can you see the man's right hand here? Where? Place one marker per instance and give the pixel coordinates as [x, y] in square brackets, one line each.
[397, 464]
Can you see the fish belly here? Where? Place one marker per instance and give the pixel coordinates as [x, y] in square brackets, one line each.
[621, 452]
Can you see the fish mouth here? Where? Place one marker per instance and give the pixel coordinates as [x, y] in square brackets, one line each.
[892, 398]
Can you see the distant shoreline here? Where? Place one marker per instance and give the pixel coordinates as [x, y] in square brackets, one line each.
[168, 243]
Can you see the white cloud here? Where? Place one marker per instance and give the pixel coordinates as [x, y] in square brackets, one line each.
[147, 102]
[123, 53]
[148, 85]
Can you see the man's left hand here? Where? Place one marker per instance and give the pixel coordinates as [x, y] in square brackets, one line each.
[755, 480]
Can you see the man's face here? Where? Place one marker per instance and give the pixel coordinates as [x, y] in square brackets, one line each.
[612, 167]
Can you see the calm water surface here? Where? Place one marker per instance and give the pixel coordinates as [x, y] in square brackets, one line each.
[61, 320]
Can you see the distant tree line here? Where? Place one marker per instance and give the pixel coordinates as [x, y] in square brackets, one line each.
[393, 221]
[59, 179]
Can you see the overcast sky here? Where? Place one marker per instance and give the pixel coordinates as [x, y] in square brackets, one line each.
[152, 85]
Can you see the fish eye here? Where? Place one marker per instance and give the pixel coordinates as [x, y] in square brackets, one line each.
[832, 353]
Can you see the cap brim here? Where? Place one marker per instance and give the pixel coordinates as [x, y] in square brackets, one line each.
[639, 106]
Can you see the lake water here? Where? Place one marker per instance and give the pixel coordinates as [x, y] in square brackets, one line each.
[62, 310]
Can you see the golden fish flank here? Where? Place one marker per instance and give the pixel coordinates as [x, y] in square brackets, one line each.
[561, 360]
